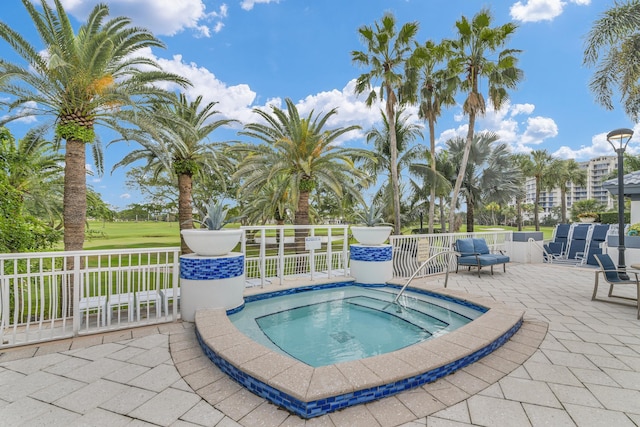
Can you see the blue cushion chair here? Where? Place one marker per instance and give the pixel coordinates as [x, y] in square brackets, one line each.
[474, 252]
[612, 276]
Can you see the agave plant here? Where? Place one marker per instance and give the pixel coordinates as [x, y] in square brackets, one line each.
[371, 216]
[216, 216]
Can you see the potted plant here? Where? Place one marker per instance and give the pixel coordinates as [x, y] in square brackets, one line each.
[211, 239]
[373, 230]
[587, 216]
[633, 236]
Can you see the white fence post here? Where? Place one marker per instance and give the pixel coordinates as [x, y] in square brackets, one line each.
[76, 294]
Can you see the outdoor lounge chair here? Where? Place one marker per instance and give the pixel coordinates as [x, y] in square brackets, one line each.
[474, 252]
[610, 273]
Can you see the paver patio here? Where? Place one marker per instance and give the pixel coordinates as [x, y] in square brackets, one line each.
[586, 371]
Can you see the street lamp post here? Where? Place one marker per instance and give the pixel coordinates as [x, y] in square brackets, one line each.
[421, 212]
[619, 139]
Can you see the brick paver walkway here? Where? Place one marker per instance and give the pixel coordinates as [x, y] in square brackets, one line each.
[586, 372]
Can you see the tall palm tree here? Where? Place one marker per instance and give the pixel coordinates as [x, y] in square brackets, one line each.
[563, 172]
[81, 79]
[540, 161]
[298, 153]
[476, 54]
[437, 89]
[388, 52]
[611, 46]
[405, 134]
[174, 140]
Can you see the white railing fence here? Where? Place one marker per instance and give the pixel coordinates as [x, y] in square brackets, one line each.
[51, 295]
[275, 252]
[409, 252]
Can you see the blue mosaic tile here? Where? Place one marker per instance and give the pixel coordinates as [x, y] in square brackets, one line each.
[334, 403]
[371, 253]
[211, 268]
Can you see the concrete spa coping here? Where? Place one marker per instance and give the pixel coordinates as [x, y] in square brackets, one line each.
[309, 392]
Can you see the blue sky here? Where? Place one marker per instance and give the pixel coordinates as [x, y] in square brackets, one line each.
[251, 53]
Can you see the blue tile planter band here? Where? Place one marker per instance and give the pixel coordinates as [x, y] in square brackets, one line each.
[371, 253]
[211, 268]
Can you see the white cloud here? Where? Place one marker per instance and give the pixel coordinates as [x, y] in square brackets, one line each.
[522, 109]
[248, 4]
[539, 129]
[536, 10]
[540, 10]
[163, 17]
[599, 147]
[237, 102]
[518, 135]
[125, 196]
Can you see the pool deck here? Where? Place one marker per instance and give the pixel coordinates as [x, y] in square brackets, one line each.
[574, 362]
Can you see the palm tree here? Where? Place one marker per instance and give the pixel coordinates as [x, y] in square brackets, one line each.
[34, 169]
[470, 55]
[563, 172]
[80, 80]
[525, 166]
[174, 141]
[405, 133]
[541, 160]
[611, 46]
[299, 153]
[490, 175]
[388, 51]
[437, 89]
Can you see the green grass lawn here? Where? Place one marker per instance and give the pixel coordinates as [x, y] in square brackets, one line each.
[151, 234]
[128, 235]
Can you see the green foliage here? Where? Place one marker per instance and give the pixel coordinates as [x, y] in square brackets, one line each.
[588, 205]
[307, 185]
[20, 232]
[371, 215]
[75, 132]
[612, 217]
[216, 216]
[186, 166]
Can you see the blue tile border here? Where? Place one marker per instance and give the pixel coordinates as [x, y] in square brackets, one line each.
[310, 409]
[371, 253]
[309, 288]
[214, 268]
[324, 406]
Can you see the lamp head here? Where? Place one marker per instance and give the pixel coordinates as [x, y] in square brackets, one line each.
[619, 138]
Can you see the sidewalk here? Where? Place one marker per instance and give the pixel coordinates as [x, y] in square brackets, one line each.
[586, 372]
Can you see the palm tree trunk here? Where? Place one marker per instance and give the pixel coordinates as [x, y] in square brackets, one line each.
[393, 150]
[443, 224]
[74, 207]
[519, 213]
[469, 215]
[563, 204]
[463, 169]
[301, 218]
[432, 196]
[536, 205]
[185, 210]
[75, 195]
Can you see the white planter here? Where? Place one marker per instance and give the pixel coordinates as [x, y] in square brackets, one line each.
[211, 242]
[371, 235]
[587, 219]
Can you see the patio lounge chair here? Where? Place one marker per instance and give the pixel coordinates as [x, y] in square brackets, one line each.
[474, 252]
[610, 273]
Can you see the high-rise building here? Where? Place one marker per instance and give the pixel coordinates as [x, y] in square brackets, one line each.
[598, 170]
